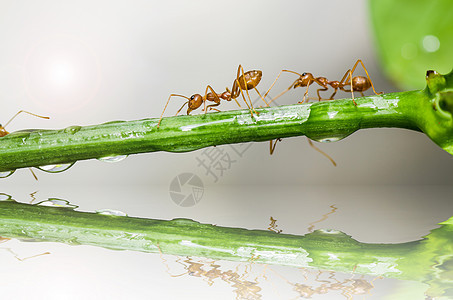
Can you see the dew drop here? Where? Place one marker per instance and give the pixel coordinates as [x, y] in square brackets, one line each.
[112, 159]
[55, 168]
[6, 174]
[330, 231]
[5, 197]
[55, 202]
[72, 129]
[184, 221]
[111, 212]
[328, 139]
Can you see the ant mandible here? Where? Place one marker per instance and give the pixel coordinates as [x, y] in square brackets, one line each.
[244, 81]
[3, 131]
[357, 83]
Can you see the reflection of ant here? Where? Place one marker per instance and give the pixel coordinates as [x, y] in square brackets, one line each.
[348, 287]
[273, 226]
[3, 131]
[3, 240]
[324, 217]
[209, 271]
[357, 83]
[243, 82]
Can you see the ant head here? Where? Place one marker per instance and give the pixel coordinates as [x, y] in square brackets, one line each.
[195, 101]
[304, 80]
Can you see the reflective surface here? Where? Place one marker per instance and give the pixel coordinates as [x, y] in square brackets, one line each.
[369, 214]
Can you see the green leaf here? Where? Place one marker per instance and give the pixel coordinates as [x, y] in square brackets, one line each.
[413, 36]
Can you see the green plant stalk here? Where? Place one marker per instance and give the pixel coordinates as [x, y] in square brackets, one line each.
[428, 260]
[429, 111]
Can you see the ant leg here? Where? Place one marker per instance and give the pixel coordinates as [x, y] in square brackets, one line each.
[333, 94]
[250, 107]
[347, 79]
[284, 92]
[33, 173]
[306, 92]
[246, 90]
[272, 147]
[276, 81]
[256, 90]
[23, 111]
[171, 95]
[372, 86]
[212, 108]
[236, 85]
[228, 90]
[206, 97]
[236, 90]
[319, 90]
[352, 90]
[179, 110]
[322, 152]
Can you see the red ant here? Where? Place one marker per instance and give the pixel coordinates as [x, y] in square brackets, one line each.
[244, 81]
[357, 83]
[3, 131]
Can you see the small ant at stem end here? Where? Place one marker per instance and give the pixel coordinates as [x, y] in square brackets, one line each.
[3, 131]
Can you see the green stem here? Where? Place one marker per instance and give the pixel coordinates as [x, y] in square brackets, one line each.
[428, 260]
[429, 111]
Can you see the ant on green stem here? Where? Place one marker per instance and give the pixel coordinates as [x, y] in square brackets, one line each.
[356, 84]
[3, 131]
[244, 81]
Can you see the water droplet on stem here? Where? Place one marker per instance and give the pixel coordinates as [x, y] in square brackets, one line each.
[55, 168]
[72, 129]
[55, 202]
[111, 212]
[112, 159]
[6, 174]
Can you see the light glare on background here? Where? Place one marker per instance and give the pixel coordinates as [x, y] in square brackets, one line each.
[62, 74]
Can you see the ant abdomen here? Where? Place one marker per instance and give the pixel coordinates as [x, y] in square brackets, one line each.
[252, 78]
[360, 84]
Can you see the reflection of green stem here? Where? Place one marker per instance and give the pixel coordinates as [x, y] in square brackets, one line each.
[429, 111]
[429, 260]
